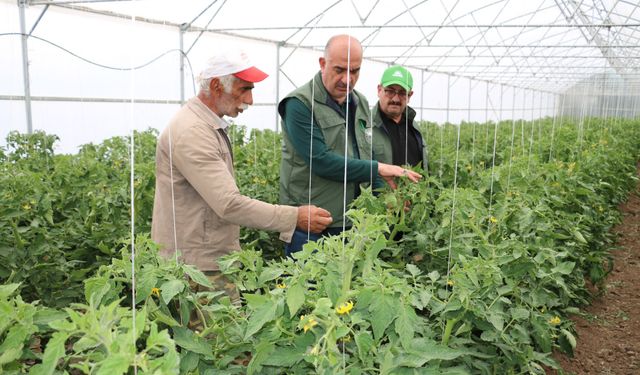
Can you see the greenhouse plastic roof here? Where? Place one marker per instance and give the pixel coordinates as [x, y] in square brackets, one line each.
[547, 45]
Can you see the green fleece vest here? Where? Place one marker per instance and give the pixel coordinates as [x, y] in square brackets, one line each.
[382, 143]
[294, 172]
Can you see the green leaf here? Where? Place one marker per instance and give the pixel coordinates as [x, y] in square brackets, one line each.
[52, 354]
[269, 274]
[424, 350]
[519, 313]
[564, 268]
[405, 325]
[262, 352]
[7, 290]
[263, 314]
[578, 236]
[186, 339]
[10, 355]
[285, 356]
[114, 364]
[413, 270]
[95, 289]
[161, 317]
[567, 341]
[197, 276]
[46, 315]
[169, 289]
[364, 342]
[295, 298]
[383, 312]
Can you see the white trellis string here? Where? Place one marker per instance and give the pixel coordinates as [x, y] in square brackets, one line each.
[493, 159]
[453, 199]
[373, 108]
[533, 124]
[313, 95]
[132, 182]
[344, 184]
[173, 199]
[553, 126]
[524, 105]
[513, 132]
[473, 131]
[486, 118]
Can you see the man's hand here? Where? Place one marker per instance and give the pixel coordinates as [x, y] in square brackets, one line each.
[313, 219]
[388, 172]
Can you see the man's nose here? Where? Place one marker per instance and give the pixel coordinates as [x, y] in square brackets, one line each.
[248, 98]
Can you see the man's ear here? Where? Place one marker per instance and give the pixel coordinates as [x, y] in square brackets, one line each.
[322, 62]
[215, 86]
[409, 94]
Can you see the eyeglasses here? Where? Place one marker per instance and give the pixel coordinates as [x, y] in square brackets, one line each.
[390, 93]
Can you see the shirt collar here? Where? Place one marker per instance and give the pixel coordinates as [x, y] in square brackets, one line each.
[208, 115]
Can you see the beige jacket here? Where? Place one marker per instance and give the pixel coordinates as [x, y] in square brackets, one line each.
[209, 209]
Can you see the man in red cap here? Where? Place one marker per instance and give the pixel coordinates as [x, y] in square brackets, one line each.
[198, 208]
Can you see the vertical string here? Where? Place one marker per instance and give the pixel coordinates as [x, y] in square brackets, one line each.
[473, 132]
[313, 96]
[132, 197]
[453, 199]
[524, 105]
[532, 130]
[513, 133]
[486, 118]
[553, 127]
[493, 159]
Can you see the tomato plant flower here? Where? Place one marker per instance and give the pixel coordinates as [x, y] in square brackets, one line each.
[344, 308]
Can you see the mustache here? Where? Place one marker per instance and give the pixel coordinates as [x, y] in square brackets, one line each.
[394, 103]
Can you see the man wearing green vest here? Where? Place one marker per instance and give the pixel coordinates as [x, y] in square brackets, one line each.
[396, 140]
[327, 138]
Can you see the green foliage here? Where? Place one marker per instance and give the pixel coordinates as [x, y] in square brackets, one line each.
[476, 277]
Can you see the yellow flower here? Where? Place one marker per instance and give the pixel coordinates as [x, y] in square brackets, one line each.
[345, 339]
[311, 322]
[344, 308]
[469, 167]
[281, 286]
[155, 292]
[600, 209]
[493, 220]
[26, 207]
[450, 282]
[555, 320]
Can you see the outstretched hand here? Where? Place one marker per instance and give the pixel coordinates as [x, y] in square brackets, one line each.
[313, 219]
[388, 172]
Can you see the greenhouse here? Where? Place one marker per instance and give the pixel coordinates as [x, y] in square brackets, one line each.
[489, 253]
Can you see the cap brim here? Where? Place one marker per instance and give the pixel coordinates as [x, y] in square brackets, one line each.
[402, 84]
[252, 74]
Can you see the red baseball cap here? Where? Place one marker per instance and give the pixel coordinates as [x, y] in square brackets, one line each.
[251, 74]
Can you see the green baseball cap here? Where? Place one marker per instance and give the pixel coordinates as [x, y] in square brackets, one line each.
[397, 75]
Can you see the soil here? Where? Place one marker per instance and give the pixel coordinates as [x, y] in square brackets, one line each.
[608, 331]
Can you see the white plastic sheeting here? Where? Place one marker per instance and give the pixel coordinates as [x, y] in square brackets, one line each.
[469, 58]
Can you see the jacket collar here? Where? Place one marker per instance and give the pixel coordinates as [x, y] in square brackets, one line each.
[377, 117]
[206, 114]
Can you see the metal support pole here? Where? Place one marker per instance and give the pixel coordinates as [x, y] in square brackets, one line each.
[25, 65]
